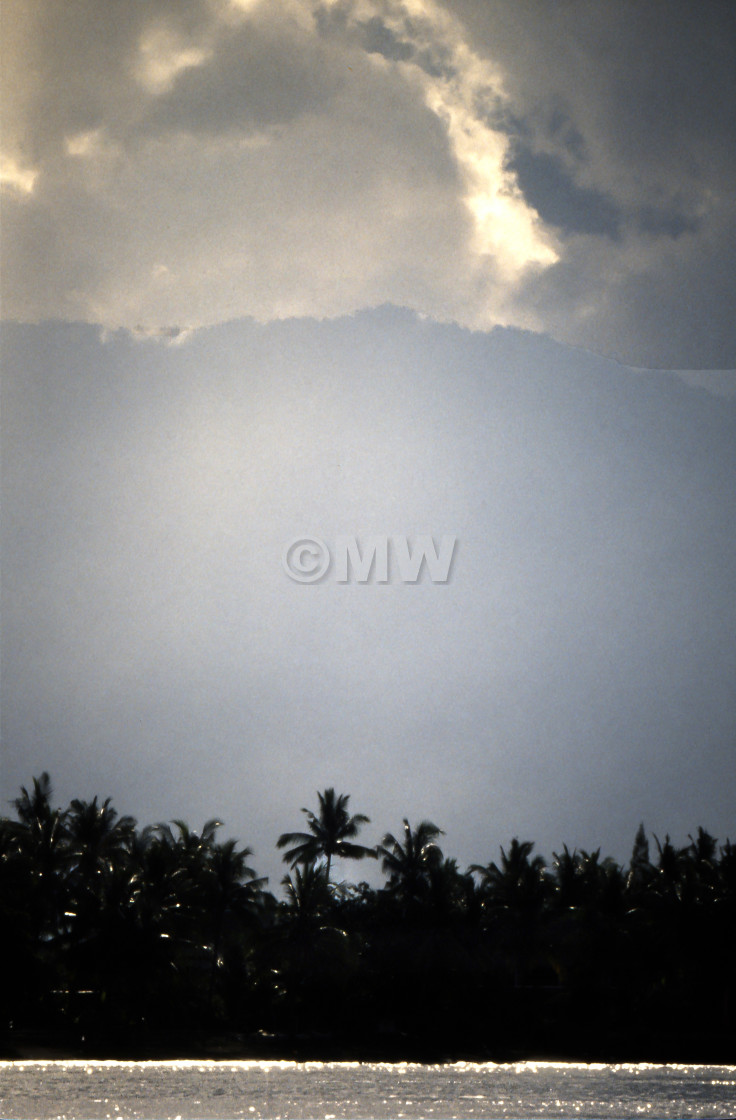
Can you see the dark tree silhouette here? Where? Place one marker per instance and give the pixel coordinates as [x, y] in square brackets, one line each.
[331, 833]
[513, 898]
[232, 893]
[640, 868]
[408, 861]
[307, 892]
[105, 927]
[519, 883]
[42, 850]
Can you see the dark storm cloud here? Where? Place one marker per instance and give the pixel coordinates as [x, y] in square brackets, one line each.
[677, 314]
[407, 42]
[633, 106]
[380, 39]
[668, 223]
[624, 80]
[551, 190]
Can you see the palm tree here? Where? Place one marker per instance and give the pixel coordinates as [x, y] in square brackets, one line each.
[184, 857]
[602, 882]
[519, 883]
[99, 843]
[703, 853]
[36, 804]
[307, 892]
[331, 832]
[567, 880]
[98, 853]
[42, 848]
[232, 885]
[641, 871]
[408, 862]
[727, 874]
[514, 896]
[671, 880]
[232, 891]
[190, 849]
[97, 836]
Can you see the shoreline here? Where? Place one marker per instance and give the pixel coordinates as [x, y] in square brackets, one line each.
[684, 1048]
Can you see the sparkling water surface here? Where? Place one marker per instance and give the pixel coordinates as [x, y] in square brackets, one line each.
[222, 1090]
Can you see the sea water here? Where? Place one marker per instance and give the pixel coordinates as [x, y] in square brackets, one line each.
[218, 1090]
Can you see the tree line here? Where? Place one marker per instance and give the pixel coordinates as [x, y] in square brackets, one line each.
[117, 934]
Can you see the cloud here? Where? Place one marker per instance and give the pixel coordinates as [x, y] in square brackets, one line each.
[16, 177]
[550, 188]
[625, 139]
[163, 58]
[482, 163]
[263, 162]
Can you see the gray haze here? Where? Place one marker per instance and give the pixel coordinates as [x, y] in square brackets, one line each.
[573, 677]
[213, 211]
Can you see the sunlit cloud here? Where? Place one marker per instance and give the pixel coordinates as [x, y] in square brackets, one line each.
[242, 6]
[94, 145]
[463, 90]
[162, 57]
[15, 177]
[81, 144]
[506, 228]
[171, 336]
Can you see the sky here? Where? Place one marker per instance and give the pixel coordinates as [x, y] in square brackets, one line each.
[372, 267]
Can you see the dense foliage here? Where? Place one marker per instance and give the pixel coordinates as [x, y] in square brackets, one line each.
[111, 931]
